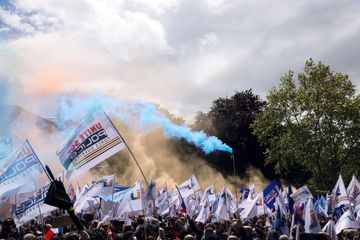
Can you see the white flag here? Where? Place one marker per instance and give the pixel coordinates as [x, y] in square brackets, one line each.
[346, 220]
[222, 212]
[103, 188]
[339, 196]
[204, 212]
[208, 195]
[22, 167]
[301, 195]
[311, 221]
[132, 201]
[353, 191]
[189, 187]
[329, 228]
[93, 141]
[31, 208]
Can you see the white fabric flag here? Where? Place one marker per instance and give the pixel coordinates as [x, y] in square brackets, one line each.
[22, 167]
[339, 194]
[329, 228]
[204, 212]
[353, 191]
[132, 201]
[311, 221]
[31, 208]
[209, 195]
[346, 220]
[189, 187]
[301, 195]
[222, 212]
[93, 141]
[103, 188]
[251, 209]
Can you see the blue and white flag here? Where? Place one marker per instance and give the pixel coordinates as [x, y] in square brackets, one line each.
[22, 167]
[312, 224]
[93, 141]
[189, 187]
[353, 191]
[340, 198]
[5, 148]
[270, 193]
[301, 195]
[102, 188]
[32, 207]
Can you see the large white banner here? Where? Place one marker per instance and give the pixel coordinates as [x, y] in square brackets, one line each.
[22, 167]
[32, 207]
[93, 141]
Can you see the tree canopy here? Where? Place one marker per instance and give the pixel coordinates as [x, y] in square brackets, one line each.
[230, 120]
[310, 127]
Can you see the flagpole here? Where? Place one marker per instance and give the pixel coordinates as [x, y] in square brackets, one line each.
[37, 158]
[236, 187]
[127, 146]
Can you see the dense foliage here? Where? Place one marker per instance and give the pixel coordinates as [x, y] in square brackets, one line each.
[311, 127]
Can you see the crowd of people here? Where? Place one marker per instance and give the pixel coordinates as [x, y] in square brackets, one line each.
[157, 228]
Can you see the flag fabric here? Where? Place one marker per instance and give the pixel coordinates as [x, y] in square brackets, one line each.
[131, 202]
[347, 220]
[103, 188]
[29, 208]
[49, 234]
[94, 140]
[244, 193]
[208, 195]
[311, 221]
[250, 209]
[353, 191]
[119, 192]
[290, 200]
[5, 149]
[182, 202]
[270, 193]
[22, 167]
[329, 228]
[280, 221]
[301, 195]
[222, 212]
[320, 206]
[340, 198]
[189, 187]
[56, 196]
[204, 212]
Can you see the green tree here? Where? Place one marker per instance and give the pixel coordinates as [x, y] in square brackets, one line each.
[230, 119]
[311, 128]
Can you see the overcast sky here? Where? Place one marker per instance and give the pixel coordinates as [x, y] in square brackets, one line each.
[181, 54]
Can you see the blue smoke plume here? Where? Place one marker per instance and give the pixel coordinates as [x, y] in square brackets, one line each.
[137, 115]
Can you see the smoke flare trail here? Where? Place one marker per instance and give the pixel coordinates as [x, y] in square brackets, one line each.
[139, 115]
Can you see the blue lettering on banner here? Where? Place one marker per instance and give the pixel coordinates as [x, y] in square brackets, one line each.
[18, 167]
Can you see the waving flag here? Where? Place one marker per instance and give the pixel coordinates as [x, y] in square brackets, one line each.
[93, 141]
[353, 191]
[311, 221]
[340, 198]
[189, 187]
[103, 188]
[31, 208]
[270, 193]
[301, 195]
[22, 167]
[131, 201]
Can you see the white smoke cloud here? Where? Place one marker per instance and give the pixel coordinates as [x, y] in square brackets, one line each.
[179, 54]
